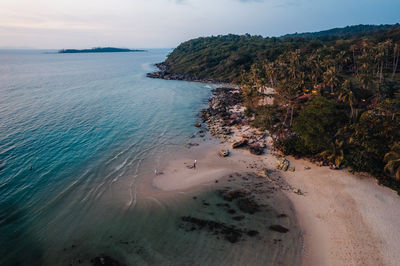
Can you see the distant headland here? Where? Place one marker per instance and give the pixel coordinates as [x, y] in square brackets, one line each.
[98, 50]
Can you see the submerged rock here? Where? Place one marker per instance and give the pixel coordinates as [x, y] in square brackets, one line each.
[104, 260]
[248, 205]
[189, 145]
[243, 199]
[233, 194]
[230, 232]
[278, 228]
[238, 218]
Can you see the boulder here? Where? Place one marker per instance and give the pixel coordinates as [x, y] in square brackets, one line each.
[239, 144]
[297, 191]
[224, 153]
[283, 164]
[256, 149]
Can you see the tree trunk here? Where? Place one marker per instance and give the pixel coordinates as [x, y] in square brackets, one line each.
[395, 60]
[351, 112]
[291, 116]
[286, 115]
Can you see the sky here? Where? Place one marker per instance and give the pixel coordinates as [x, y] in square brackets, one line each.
[56, 24]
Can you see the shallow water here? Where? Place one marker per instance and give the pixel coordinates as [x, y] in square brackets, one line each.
[72, 127]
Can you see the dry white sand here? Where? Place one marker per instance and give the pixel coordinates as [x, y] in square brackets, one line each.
[345, 219]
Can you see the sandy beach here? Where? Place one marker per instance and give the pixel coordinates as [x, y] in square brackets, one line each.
[234, 215]
[344, 219]
[335, 217]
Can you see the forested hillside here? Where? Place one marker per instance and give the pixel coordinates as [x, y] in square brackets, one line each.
[224, 58]
[337, 98]
[342, 33]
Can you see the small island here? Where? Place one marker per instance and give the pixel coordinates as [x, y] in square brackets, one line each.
[98, 50]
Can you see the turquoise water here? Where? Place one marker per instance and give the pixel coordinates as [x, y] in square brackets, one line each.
[71, 125]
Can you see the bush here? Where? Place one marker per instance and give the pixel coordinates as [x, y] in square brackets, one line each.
[264, 117]
[292, 145]
[318, 122]
[361, 160]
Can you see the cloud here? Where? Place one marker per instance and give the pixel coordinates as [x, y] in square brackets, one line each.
[166, 23]
[180, 2]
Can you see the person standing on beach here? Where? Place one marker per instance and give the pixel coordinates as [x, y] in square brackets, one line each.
[155, 171]
[194, 164]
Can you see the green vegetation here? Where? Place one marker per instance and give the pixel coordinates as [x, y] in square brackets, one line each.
[224, 58]
[392, 160]
[98, 50]
[342, 33]
[337, 93]
[317, 123]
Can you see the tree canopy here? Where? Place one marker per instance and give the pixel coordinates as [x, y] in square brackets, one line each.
[337, 92]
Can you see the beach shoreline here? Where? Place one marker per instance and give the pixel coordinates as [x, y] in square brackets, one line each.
[263, 206]
[333, 207]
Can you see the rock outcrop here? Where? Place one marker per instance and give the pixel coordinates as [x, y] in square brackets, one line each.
[226, 120]
[166, 73]
[284, 165]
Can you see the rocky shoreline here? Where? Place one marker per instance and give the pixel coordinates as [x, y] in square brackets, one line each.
[226, 121]
[164, 73]
[224, 116]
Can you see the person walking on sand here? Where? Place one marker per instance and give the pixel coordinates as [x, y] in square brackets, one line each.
[194, 164]
[155, 171]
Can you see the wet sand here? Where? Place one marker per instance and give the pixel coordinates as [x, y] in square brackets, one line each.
[221, 213]
[228, 213]
[345, 219]
[240, 210]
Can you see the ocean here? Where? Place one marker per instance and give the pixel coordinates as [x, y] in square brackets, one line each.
[75, 131]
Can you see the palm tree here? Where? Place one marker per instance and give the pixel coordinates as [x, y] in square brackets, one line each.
[341, 59]
[347, 96]
[290, 81]
[392, 160]
[334, 153]
[330, 78]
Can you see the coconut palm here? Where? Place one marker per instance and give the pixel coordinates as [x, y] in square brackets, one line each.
[334, 153]
[347, 96]
[330, 77]
[392, 160]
